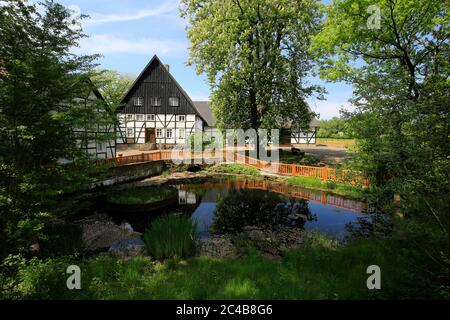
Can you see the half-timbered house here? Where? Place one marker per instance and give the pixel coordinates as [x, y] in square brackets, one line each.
[157, 110]
[98, 139]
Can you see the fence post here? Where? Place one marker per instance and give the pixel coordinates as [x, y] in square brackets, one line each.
[325, 173]
[293, 169]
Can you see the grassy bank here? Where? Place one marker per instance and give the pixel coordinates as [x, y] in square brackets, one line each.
[331, 186]
[234, 168]
[142, 195]
[319, 271]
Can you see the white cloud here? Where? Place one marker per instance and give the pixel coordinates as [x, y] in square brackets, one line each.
[109, 44]
[328, 109]
[163, 9]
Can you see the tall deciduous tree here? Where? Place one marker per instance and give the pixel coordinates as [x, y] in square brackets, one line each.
[400, 72]
[113, 85]
[45, 95]
[254, 53]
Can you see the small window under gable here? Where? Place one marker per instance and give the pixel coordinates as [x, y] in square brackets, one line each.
[181, 118]
[174, 102]
[139, 117]
[130, 117]
[156, 102]
[139, 101]
[150, 117]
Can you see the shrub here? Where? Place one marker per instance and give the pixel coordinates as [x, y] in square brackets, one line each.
[61, 239]
[142, 195]
[172, 236]
[234, 168]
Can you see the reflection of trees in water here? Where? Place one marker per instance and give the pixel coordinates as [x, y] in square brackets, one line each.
[374, 224]
[258, 208]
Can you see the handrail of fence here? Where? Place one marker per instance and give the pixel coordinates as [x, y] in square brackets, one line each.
[323, 173]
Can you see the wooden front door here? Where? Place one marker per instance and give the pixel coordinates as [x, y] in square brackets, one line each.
[150, 135]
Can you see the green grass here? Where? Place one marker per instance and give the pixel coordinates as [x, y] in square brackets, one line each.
[171, 236]
[234, 168]
[289, 157]
[142, 195]
[321, 270]
[334, 187]
[335, 142]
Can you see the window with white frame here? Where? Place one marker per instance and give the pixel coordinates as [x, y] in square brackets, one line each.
[169, 133]
[139, 117]
[100, 147]
[130, 117]
[159, 133]
[181, 133]
[156, 102]
[174, 102]
[130, 132]
[150, 117]
[138, 101]
[181, 118]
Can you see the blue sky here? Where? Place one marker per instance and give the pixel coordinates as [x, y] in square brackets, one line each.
[129, 32]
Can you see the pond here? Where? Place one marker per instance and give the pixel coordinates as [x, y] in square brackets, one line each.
[223, 206]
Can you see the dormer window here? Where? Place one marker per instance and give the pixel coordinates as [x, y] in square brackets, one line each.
[174, 102]
[156, 102]
[139, 101]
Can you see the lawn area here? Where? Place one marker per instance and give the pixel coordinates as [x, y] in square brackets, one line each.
[319, 271]
[342, 189]
[336, 143]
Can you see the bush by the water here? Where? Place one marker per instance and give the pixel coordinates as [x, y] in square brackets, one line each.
[234, 168]
[172, 236]
[143, 195]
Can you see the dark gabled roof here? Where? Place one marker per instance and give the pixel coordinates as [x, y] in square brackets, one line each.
[205, 112]
[141, 75]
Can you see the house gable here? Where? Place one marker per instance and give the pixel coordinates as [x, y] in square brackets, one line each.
[155, 81]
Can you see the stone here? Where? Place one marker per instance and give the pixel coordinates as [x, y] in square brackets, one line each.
[100, 233]
[216, 247]
[128, 248]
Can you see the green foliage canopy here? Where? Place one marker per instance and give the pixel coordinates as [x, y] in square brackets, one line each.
[400, 75]
[255, 56]
[45, 96]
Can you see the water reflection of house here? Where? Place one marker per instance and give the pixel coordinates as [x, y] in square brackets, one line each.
[186, 197]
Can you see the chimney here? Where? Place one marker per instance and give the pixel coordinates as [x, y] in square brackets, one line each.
[167, 67]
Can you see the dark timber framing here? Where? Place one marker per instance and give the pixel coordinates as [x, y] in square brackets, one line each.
[155, 81]
[107, 146]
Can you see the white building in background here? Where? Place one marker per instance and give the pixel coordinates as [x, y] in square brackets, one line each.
[157, 110]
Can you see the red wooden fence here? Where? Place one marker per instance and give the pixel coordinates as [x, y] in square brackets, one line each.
[323, 173]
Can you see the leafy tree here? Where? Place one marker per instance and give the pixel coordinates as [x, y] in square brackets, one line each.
[45, 94]
[335, 128]
[400, 72]
[113, 85]
[255, 56]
